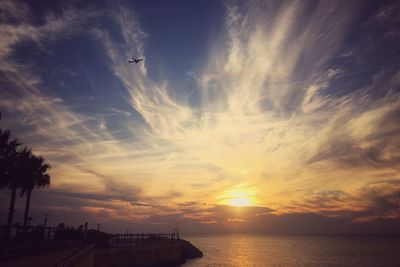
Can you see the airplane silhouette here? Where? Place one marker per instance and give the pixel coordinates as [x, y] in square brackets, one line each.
[135, 60]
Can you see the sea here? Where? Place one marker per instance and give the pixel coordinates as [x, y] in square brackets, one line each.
[241, 250]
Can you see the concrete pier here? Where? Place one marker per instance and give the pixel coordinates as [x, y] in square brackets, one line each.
[151, 255]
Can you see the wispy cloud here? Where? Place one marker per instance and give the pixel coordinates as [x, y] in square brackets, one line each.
[274, 118]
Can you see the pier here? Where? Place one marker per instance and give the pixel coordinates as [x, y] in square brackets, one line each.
[93, 248]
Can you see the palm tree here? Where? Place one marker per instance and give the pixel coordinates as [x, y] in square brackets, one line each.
[9, 161]
[17, 169]
[34, 176]
[8, 151]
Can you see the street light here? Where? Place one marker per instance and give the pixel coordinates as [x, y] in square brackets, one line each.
[45, 219]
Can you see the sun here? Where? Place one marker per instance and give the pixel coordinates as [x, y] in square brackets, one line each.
[239, 202]
[238, 197]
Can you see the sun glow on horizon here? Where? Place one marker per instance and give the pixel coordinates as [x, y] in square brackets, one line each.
[238, 197]
[239, 202]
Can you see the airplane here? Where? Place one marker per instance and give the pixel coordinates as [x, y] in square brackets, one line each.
[135, 60]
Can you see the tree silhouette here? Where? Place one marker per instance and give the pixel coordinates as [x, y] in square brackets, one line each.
[18, 166]
[8, 151]
[34, 176]
[9, 161]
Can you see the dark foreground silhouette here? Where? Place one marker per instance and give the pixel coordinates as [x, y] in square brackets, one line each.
[65, 246]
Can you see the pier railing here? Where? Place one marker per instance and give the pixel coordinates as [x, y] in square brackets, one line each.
[18, 241]
[27, 233]
[139, 239]
[72, 260]
[18, 250]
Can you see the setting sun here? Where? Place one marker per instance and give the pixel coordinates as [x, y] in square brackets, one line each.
[239, 202]
[239, 196]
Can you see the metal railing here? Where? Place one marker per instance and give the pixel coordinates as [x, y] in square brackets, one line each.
[129, 240]
[27, 233]
[18, 241]
[77, 257]
[18, 250]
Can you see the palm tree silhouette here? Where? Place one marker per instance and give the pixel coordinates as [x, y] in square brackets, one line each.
[19, 160]
[20, 168]
[8, 151]
[34, 176]
[9, 161]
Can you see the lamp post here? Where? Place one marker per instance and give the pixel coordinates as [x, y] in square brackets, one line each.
[45, 219]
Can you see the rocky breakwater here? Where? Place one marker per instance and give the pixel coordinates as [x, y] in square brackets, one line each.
[189, 251]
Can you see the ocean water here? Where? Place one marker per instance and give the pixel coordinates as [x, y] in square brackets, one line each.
[296, 250]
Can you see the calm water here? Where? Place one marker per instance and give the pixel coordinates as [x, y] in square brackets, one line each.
[292, 250]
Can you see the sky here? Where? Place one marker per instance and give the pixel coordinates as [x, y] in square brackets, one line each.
[245, 116]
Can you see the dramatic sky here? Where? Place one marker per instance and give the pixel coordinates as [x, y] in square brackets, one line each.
[265, 116]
